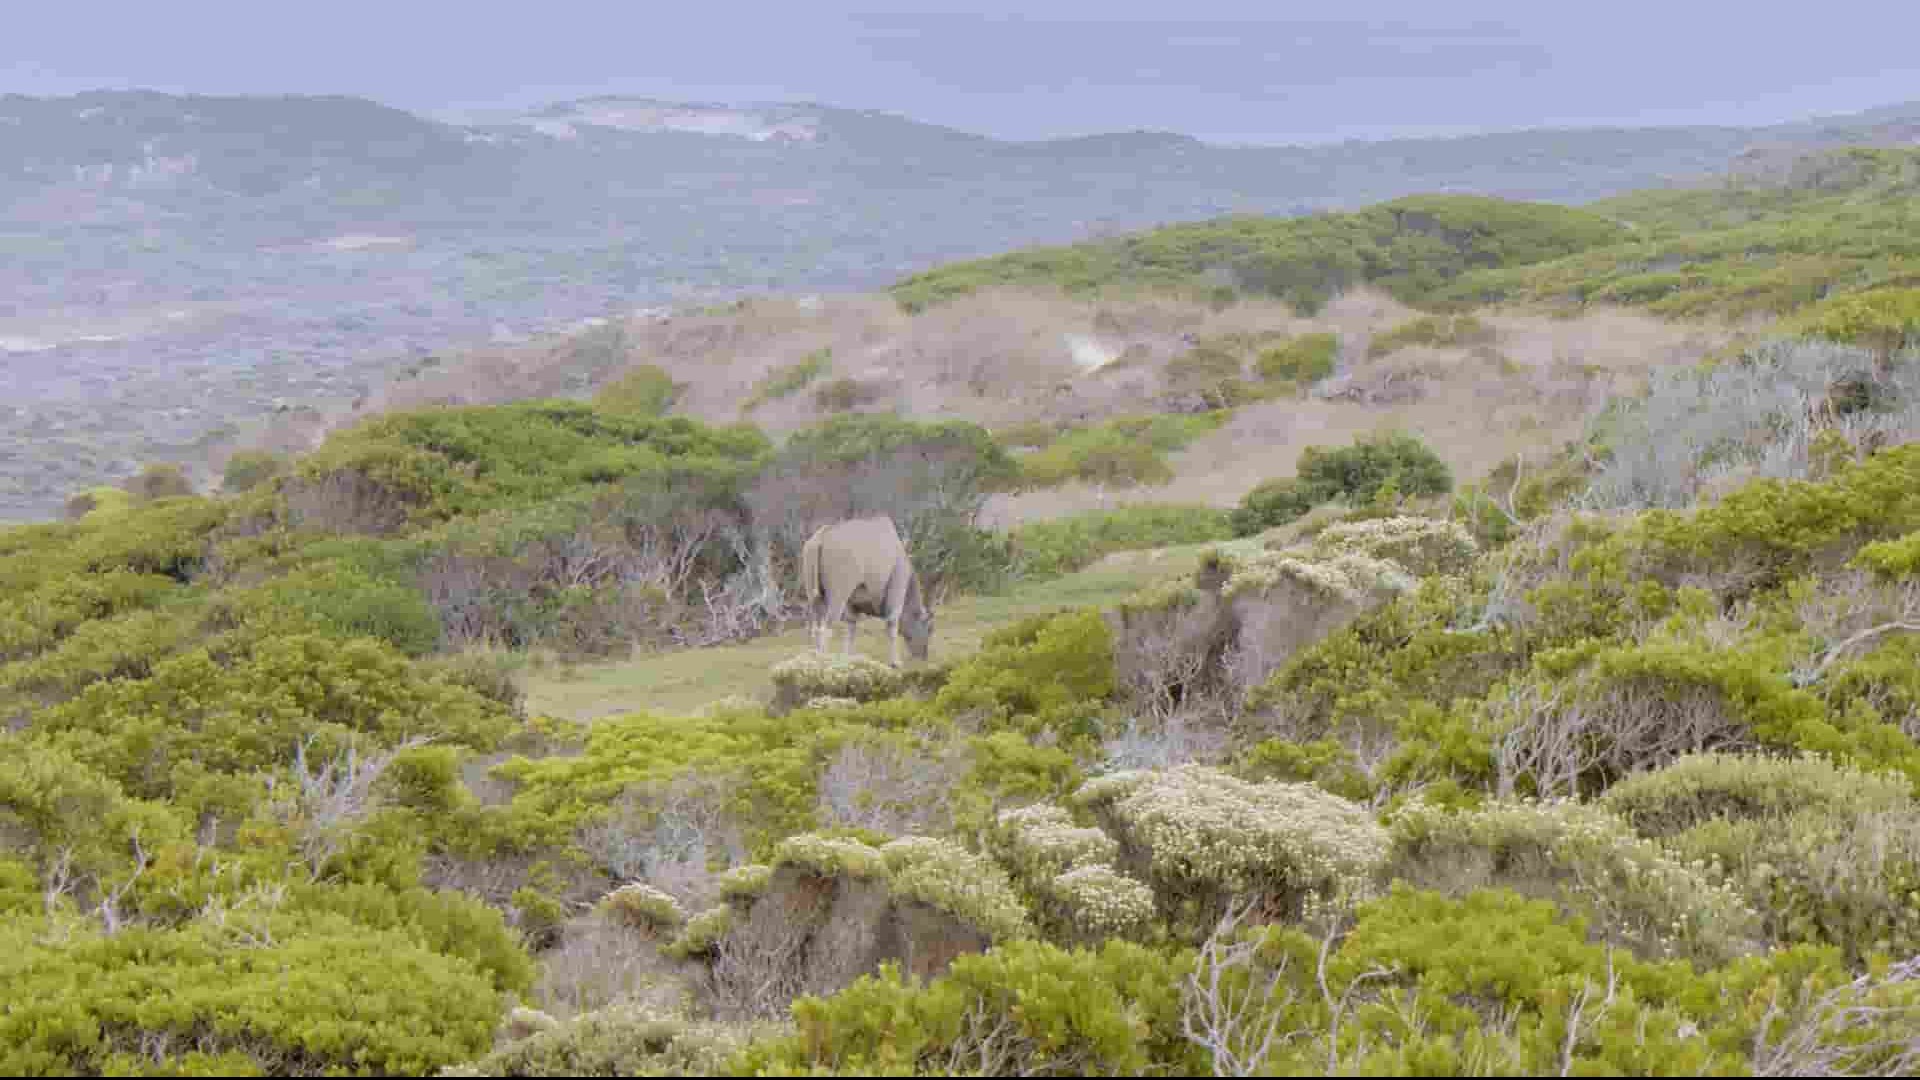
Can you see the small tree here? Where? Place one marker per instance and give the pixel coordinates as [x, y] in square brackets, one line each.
[159, 480]
[248, 469]
[644, 391]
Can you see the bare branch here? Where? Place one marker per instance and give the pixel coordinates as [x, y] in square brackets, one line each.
[1225, 1017]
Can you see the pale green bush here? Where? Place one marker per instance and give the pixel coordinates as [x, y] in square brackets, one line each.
[1104, 902]
[1699, 787]
[1344, 576]
[1041, 841]
[701, 933]
[1589, 861]
[833, 675]
[621, 1040]
[643, 907]
[1421, 546]
[829, 856]
[946, 876]
[1196, 832]
[745, 882]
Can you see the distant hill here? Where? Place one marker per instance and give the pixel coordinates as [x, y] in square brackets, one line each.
[172, 265]
[1782, 227]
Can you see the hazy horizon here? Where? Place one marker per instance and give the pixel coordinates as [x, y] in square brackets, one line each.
[1227, 71]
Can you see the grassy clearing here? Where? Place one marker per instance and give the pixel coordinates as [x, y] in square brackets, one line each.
[678, 682]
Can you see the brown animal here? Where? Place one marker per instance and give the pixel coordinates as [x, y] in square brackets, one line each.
[860, 567]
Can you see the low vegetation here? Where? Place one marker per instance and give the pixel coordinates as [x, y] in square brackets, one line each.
[1604, 762]
[1411, 248]
[1834, 224]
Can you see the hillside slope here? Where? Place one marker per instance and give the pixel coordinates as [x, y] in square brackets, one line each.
[176, 265]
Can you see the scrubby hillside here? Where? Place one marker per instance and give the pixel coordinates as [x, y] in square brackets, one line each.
[1779, 234]
[1231, 394]
[1591, 746]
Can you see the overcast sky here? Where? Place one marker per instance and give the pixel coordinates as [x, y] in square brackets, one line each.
[1230, 70]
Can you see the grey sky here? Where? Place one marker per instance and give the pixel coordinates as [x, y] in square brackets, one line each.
[1246, 70]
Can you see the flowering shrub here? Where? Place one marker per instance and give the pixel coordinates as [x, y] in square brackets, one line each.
[1421, 546]
[701, 933]
[1041, 841]
[644, 907]
[745, 882]
[1197, 832]
[1700, 787]
[621, 1040]
[1104, 902]
[1021, 1009]
[832, 675]
[828, 857]
[1587, 860]
[958, 882]
[1344, 576]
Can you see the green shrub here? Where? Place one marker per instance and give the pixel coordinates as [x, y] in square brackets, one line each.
[1209, 375]
[1027, 434]
[1042, 673]
[1305, 360]
[104, 499]
[159, 480]
[1884, 320]
[328, 996]
[340, 598]
[1051, 547]
[1200, 836]
[1271, 503]
[1433, 331]
[1587, 861]
[621, 1040]
[1698, 788]
[192, 713]
[945, 876]
[1488, 982]
[248, 469]
[1397, 465]
[1821, 877]
[1744, 247]
[642, 907]
[435, 464]
[1357, 473]
[646, 391]
[1111, 1012]
[1828, 854]
[446, 922]
[765, 775]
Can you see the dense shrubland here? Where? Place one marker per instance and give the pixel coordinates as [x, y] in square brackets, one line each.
[1606, 762]
[1409, 247]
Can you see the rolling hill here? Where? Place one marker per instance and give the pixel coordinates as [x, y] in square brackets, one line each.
[176, 266]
